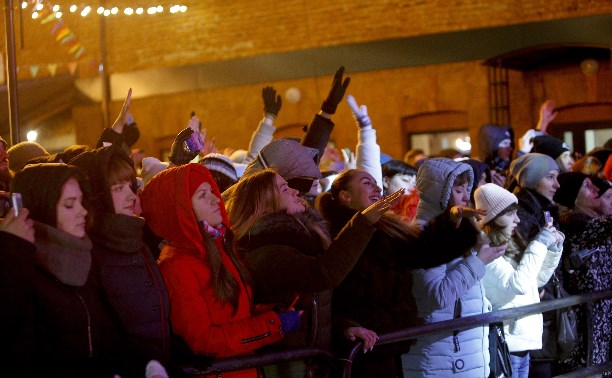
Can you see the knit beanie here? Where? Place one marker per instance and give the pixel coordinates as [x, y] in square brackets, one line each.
[548, 145]
[150, 167]
[220, 163]
[530, 168]
[569, 186]
[494, 199]
[289, 158]
[21, 153]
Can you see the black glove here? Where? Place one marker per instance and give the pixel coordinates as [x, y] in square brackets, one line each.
[336, 92]
[178, 154]
[272, 101]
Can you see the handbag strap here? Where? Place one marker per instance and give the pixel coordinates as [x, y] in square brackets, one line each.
[456, 315]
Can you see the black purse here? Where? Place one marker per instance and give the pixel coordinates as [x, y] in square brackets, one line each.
[500, 354]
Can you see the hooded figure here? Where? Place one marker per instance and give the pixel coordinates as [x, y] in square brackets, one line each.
[122, 263]
[495, 145]
[209, 297]
[450, 290]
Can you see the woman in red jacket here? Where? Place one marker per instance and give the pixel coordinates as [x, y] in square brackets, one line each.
[210, 304]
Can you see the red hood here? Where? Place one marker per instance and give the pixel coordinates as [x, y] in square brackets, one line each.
[166, 205]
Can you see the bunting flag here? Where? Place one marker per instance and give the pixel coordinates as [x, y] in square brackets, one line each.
[34, 70]
[72, 67]
[65, 36]
[52, 68]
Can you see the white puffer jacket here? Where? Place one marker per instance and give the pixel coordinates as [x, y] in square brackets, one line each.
[435, 291]
[509, 284]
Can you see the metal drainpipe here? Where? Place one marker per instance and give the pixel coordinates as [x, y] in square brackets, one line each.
[11, 72]
[104, 78]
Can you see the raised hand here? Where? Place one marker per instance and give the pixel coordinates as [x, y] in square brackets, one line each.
[368, 337]
[547, 115]
[125, 110]
[336, 92]
[380, 207]
[272, 101]
[457, 213]
[360, 113]
[178, 154]
[488, 254]
[19, 225]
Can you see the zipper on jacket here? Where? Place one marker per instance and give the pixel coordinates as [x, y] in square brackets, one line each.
[88, 324]
[254, 338]
[162, 307]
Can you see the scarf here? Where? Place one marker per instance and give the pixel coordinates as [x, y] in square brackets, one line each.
[64, 256]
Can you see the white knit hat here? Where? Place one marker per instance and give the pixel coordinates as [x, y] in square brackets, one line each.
[150, 167]
[494, 199]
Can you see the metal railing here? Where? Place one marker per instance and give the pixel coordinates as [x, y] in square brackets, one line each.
[258, 360]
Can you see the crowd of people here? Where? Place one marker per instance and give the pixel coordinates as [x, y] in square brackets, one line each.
[124, 265]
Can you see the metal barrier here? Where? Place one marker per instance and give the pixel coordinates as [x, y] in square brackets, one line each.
[258, 360]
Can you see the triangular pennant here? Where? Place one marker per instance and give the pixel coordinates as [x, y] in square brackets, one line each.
[79, 52]
[62, 33]
[49, 18]
[34, 70]
[74, 48]
[71, 37]
[72, 67]
[57, 26]
[52, 67]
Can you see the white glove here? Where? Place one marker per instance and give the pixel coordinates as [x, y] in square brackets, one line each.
[526, 141]
[359, 113]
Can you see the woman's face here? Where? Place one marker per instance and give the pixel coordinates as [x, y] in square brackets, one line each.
[124, 198]
[394, 183]
[605, 207]
[206, 205]
[362, 191]
[565, 161]
[548, 185]
[288, 198]
[70, 211]
[588, 196]
[459, 195]
[508, 222]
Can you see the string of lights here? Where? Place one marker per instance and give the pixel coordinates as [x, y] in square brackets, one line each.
[85, 10]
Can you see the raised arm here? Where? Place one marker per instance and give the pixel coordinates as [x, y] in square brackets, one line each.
[368, 151]
[265, 130]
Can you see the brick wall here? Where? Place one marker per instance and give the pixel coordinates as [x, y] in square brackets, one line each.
[219, 30]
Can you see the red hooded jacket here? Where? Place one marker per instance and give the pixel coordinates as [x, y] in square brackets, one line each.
[208, 326]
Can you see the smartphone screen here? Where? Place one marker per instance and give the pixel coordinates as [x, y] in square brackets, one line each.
[16, 202]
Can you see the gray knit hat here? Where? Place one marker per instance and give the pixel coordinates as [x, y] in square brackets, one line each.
[289, 158]
[530, 168]
[494, 199]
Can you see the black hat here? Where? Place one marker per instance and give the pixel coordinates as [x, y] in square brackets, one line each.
[548, 145]
[569, 186]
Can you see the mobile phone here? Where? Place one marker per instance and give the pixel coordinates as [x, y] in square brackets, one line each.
[16, 202]
[194, 143]
[548, 219]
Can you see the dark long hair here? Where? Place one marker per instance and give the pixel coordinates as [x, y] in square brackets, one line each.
[41, 186]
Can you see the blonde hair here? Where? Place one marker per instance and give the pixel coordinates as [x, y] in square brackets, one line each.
[257, 195]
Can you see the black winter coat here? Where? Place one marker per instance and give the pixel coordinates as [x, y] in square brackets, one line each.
[285, 259]
[131, 282]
